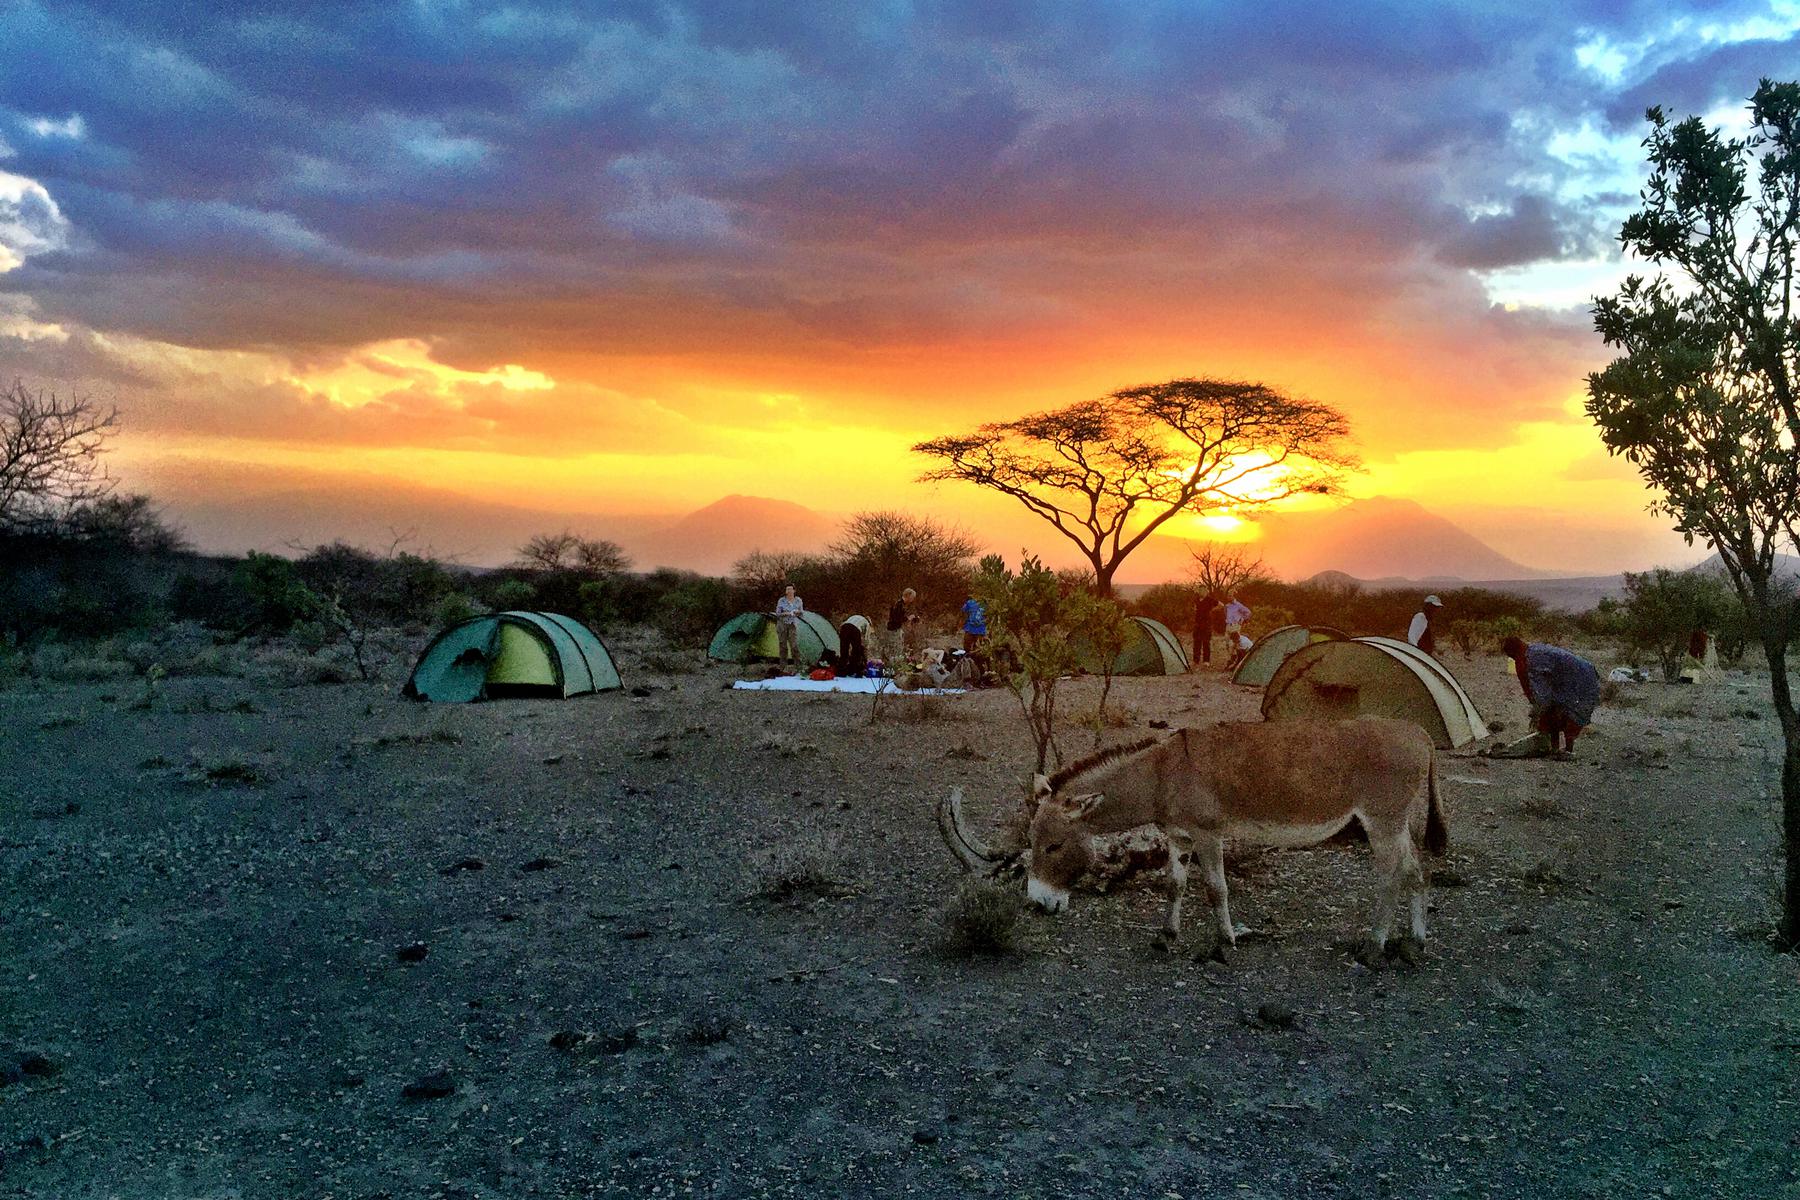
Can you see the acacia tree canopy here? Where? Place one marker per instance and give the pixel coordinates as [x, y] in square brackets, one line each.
[1108, 473]
[1703, 400]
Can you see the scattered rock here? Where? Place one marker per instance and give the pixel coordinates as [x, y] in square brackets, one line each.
[1515, 929]
[1159, 724]
[1448, 878]
[10, 1075]
[553, 760]
[634, 935]
[506, 917]
[463, 864]
[618, 1042]
[926, 1135]
[640, 691]
[347, 1081]
[567, 1040]
[709, 1030]
[413, 953]
[434, 1086]
[540, 864]
[41, 1066]
[1275, 1015]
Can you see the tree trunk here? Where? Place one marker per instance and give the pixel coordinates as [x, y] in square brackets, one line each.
[1103, 577]
[1776, 650]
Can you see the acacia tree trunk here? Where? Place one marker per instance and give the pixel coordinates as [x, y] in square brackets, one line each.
[1776, 650]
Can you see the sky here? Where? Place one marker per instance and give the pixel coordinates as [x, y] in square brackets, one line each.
[629, 263]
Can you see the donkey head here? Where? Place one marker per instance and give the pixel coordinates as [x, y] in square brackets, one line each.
[1061, 845]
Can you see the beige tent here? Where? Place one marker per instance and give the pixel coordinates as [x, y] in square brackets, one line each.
[1374, 676]
[1273, 647]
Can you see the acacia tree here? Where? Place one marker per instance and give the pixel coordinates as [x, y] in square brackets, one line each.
[1108, 473]
[1223, 569]
[50, 448]
[1705, 400]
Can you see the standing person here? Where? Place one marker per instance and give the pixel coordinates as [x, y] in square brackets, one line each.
[1562, 689]
[974, 627]
[901, 619]
[787, 627]
[1423, 630]
[1236, 613]
[1204, 608]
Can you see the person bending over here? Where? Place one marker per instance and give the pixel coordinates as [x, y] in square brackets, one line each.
[1561, 687]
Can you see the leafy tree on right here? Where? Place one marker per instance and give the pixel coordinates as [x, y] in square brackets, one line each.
[1705, 398]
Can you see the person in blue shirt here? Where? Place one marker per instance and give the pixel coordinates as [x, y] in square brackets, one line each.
[974, 626]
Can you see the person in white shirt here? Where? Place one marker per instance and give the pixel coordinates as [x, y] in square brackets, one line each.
[787, 627]
[1423, 630]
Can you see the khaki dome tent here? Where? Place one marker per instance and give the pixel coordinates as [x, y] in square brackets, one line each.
[1150, 649]
[1273, 647]
[751, 635]
[512, 654]
[1374, 676]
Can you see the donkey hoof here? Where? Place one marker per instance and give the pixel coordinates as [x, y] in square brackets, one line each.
[1164, 941]
[1371, 953]
[1409, 950]
[1213, 954]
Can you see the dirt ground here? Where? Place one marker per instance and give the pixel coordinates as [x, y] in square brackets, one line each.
[204, 908]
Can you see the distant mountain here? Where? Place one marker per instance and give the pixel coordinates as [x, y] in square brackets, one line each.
[1379, 538]
[1786, 566]
[1573, 594]
[713, 538]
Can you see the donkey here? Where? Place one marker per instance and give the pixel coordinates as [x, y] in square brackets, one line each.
[1279, 783]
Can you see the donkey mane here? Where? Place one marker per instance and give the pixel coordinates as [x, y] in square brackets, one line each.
[1099, 758]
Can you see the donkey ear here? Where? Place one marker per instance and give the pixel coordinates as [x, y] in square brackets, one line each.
[1040, 786]
[1081, 806]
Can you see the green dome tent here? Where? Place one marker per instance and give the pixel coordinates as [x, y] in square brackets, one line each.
[1273, 647]
[1150, 649]
[512, 654]
[1374, 676]
[749, 636]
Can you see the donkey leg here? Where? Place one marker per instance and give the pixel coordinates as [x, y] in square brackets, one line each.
[1181, 850]
[1387, 848]
[1209, 853]
[1417, 889]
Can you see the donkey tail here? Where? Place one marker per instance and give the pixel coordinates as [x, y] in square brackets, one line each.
[1437, 828]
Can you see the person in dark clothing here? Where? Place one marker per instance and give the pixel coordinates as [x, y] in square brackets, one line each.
[1204, 609]
[852, 658]
[900, 623]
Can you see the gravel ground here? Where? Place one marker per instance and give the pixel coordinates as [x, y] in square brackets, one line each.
[323, 942]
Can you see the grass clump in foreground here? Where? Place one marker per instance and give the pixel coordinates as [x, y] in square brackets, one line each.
[807, 865]
[982, 918]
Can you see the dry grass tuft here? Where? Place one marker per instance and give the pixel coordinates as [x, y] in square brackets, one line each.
[807, 865]
[981, 918]
[1544, 807]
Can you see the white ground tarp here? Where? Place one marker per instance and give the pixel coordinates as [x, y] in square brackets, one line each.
[867, 687]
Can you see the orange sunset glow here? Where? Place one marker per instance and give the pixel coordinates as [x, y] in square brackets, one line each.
[748, 260]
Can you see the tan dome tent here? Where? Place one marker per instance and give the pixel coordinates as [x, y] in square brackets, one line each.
[1273, 647]
[1150, 649]
[1378, 677]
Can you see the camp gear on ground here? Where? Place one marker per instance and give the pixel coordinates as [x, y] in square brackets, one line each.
[790, 683]
[512, 654]
[1374, 676]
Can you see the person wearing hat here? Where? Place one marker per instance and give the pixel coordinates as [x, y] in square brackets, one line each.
[1423, 631]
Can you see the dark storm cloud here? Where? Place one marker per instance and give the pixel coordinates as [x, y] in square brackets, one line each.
[736, 176]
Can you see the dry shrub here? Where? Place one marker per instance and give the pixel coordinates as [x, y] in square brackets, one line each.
[914, 710]
[67, 664]
[808, 864]
[672, 660]
[229, 770]
[981, 918]
[285, 668]
[1544, 873]
[783, 746]
[1543, 807]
